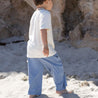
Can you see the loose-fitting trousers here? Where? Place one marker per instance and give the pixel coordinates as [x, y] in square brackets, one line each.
[36, 66]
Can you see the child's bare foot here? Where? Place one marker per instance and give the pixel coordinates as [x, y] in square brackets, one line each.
[33, 96]
[64, 92]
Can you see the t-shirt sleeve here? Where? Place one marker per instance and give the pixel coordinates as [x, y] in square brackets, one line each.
[45, 21]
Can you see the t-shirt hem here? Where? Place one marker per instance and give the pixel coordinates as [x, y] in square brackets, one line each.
[28, 56]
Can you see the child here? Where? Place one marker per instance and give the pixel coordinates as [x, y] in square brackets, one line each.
[41, 51]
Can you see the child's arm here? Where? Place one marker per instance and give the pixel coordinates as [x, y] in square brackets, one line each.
[44, 41]
[45, 24]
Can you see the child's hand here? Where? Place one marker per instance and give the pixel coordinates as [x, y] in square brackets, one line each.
[45, 51]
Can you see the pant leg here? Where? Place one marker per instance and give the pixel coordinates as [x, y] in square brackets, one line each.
[54, 65]
[35, 72]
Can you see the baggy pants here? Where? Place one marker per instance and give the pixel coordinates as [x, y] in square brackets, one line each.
[36, 66]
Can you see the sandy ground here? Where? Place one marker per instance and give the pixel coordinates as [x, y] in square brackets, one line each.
[80, 65]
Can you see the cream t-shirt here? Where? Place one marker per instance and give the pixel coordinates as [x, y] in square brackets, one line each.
[41, 19]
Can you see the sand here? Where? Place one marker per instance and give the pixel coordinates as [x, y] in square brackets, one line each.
[80, 66]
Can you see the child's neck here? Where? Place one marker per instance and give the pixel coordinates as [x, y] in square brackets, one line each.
[41, 7]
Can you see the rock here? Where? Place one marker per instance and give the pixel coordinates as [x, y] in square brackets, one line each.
[50, 88]
[96, 82]
[72, 16]
[25, 78]
[4, 31]
[89, 27]
[85, 83]
[94, 75]
[14, 18]
[3, 76]
[46, 76]
[26, 36]
[75, 35]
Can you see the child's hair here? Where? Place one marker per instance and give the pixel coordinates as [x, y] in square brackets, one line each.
[38, 2]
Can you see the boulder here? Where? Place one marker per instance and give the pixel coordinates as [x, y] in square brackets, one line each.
[89, 26]
[14, 18]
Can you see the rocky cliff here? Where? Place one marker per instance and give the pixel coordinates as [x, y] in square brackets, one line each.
[74, 19]
[85, 34]
[14, 18]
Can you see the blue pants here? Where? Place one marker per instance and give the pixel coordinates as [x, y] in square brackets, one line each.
[36, 66]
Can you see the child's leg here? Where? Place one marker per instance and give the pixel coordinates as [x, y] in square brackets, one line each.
[35, 72]
[54, 65]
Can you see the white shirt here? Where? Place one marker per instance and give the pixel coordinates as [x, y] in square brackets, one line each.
[41, 19]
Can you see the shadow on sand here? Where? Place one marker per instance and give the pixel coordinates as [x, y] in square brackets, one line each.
[62, 96]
